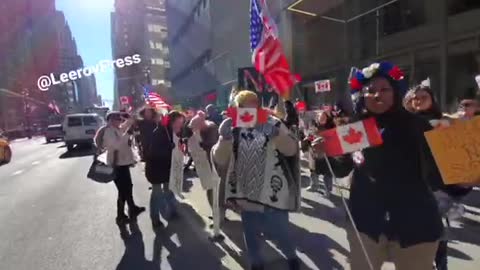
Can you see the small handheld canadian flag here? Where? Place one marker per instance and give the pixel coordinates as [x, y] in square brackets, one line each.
[247, 117]
[352, 137]
[125, 100]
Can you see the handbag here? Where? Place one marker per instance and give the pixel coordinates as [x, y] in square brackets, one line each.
[101, 172]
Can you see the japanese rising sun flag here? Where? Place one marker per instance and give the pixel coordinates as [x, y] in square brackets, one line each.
[247, 117]
[352, 137]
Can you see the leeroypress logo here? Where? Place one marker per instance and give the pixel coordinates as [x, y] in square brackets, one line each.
[45, 81]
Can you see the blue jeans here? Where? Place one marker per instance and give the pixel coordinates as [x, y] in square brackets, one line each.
[328, 182]
[162, 200]
[273, 224]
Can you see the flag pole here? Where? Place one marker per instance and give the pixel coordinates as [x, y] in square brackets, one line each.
[350, 216]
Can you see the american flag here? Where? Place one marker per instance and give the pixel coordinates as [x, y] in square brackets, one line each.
[267, 52]
[53, 107]
[154, 99]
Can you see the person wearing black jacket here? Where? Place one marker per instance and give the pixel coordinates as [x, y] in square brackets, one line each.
[325, 120]
[144, 129]
[425, 106]
[158, 160]
[391, 198]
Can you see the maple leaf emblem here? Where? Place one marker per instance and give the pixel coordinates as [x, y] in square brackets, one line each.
[354, 136]
[247, 117]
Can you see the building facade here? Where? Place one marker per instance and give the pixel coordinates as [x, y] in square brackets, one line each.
[210, 42]
[428, 38]
[140, 27]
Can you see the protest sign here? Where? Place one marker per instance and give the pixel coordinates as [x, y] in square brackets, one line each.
[208, 178]
[323, 86]
[176, 170]
[456, 150]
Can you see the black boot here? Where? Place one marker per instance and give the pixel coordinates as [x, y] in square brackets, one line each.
[121, 217]
[135, 211]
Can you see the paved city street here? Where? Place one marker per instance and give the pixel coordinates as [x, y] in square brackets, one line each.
[53, 218]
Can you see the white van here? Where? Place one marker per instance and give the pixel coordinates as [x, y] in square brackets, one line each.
[80, 128]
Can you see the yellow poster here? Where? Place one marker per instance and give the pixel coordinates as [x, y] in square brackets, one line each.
[456, 150]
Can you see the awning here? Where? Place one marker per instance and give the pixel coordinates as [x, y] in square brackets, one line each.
[314, 7]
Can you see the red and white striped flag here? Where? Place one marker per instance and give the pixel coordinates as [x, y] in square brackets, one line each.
[53, 106]
[156, 101]
[352, 137]
[247, 117]
[268, 56]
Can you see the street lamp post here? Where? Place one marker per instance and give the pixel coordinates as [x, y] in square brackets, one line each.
[27, 111]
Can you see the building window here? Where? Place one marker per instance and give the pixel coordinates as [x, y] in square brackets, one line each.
[155, 28]
[157, 81]
[152, 45]
[125, 36]
[167, 64]
[166, 51]
[158, 45]
[168, 84]
[401, 16]
[164, 34]
[157, 61]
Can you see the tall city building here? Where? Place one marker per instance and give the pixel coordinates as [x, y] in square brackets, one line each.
[140, 27]
[209, 42]
[35, 40]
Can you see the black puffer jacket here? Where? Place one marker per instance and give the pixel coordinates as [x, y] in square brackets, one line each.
[391, 191]
[158, 156]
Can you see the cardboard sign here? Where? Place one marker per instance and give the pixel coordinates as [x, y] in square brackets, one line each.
[176, 170]
[456, 150]
[323, 86]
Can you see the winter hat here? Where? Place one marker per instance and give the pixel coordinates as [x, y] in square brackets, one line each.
[244, 97]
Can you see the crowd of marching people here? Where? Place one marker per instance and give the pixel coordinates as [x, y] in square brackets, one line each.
[398, 204]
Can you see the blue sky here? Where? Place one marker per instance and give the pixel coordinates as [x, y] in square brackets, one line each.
[89, 21]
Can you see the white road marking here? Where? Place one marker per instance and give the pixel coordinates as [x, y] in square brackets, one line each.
[35, 162]
[17, 172]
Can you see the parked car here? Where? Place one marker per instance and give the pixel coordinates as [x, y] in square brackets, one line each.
[5, 150]
[54, 133]
[80, 128]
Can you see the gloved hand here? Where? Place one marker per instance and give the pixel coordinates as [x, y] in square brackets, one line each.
[198, 121]
[225, 130]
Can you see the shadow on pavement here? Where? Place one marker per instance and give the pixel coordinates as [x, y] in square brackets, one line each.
[318, 247]
[134, 256]
[273, 259]
[186, 249]
[78, 152]
[452, 252]
[336, 216]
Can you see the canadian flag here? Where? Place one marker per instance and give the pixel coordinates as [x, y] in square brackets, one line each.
[352, 137]
[247, 117]
[125, 100]
[322, 86]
